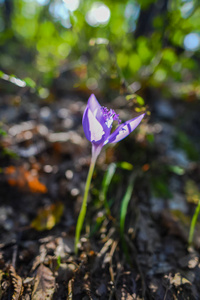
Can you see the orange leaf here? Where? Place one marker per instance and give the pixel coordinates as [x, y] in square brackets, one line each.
[20, 177]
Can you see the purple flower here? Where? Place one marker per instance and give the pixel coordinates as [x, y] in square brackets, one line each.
[97, 124]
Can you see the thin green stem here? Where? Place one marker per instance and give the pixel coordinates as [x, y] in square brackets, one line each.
[82, 213]
[193, 223]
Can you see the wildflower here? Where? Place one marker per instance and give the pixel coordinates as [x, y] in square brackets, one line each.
[97, 125]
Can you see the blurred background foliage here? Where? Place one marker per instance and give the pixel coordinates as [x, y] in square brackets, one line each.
[104, 44]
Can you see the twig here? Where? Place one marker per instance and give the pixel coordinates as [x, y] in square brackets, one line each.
[112, 251]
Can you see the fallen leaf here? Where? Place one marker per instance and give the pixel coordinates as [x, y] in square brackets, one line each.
[20, 177]
[192, 192]
[48, 217]
[17, 284]
[179, 280]
[44, 286]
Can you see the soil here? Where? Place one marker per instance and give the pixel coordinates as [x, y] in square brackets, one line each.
[44, 163]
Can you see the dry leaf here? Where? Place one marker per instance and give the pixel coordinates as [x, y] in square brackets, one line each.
[17, 284]
[179, 280]
[40, 257]
[48, 217]
[20, 177]
[192, 192]
[44, 286]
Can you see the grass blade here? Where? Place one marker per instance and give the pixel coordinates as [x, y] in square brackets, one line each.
[193, 223]
[105, 185]
[125, 202]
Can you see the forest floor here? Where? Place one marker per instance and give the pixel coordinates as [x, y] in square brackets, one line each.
[44, 163]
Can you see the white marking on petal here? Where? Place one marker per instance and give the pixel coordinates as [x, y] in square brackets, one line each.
[109, 122]
[95, 128]
[95, 112]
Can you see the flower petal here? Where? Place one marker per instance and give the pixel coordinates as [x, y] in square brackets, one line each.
[94, 105]
[93, 129]
[96, 128]
[97, 111]
[124, 129]
[85, 123]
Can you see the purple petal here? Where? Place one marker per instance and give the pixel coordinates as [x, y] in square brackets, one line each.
[96, 109]
[94, 105]
[124, 129]
[85, 123]
[93, 129]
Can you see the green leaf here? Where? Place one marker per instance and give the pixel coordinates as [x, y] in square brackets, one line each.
[125, 165]
[140, 100]
[135, 98]
[29, 82]
[2, 132]
[177, 170]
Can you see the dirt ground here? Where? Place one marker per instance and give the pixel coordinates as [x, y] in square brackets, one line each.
[44, 162]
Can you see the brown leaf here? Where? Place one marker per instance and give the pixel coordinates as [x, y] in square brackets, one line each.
[48, 217]
[44, 286]
[20, 177]
[17, 284]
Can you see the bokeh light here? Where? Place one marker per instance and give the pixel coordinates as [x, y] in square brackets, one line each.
[187, 8]
[72, 5]
[58, 10]
[192, 41]
[43, 2]
[132, 12]
[99, 14]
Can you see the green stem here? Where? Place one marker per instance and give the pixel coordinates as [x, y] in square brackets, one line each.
[82, 213]
[193, 223]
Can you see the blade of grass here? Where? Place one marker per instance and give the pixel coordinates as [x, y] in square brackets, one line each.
[193, 223]
[123, 213]
[105, 185]
[108, 177]
[125, 202]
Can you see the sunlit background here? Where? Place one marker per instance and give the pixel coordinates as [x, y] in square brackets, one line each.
[103, 43]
